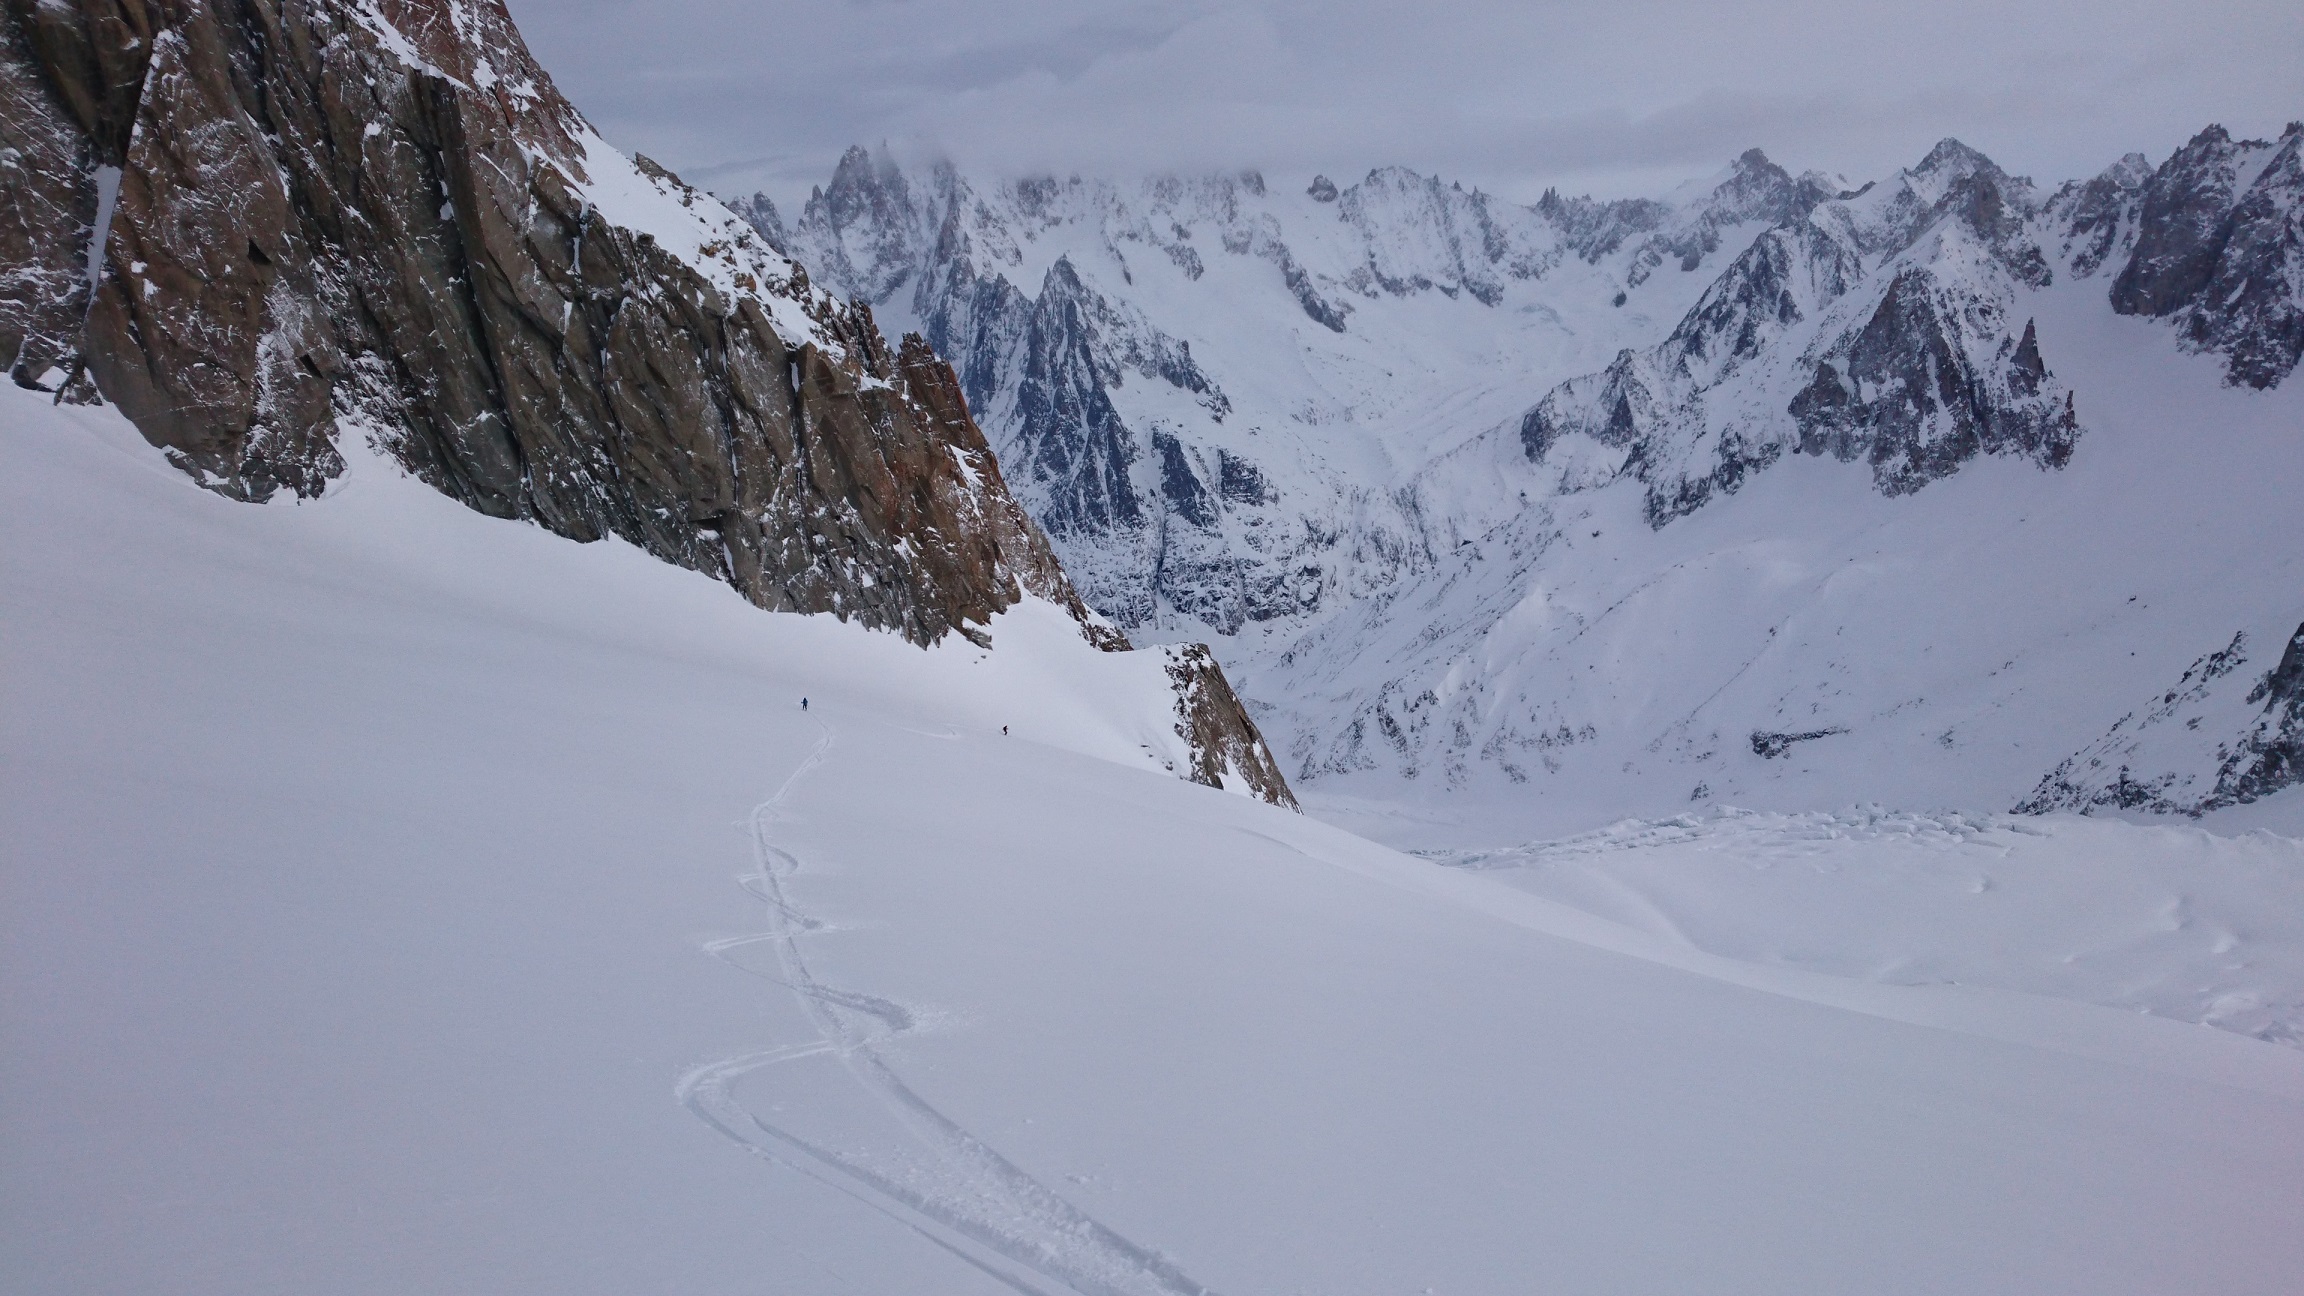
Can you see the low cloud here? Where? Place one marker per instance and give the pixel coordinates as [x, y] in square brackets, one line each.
[1608, 97]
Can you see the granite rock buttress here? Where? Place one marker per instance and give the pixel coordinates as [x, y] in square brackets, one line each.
[379, 218]
[334, 213]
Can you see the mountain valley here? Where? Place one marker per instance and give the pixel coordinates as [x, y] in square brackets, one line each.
[1045, 735]
[1501, 511]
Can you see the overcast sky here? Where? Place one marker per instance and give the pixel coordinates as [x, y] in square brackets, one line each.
[1609, 96]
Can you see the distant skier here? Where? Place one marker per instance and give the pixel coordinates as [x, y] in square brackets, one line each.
[803, 704]
[1003, 731]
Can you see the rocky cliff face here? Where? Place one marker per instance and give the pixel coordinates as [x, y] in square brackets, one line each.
[2096, 218]
[1879, 326]
[2215, 242]
[1059, 301]
[49, 164]
[380, 217]
[2222, 736]
[1226, 746]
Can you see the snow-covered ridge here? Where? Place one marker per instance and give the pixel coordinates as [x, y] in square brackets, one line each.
[1203, 384]
[1878, 326]
[2226, 734]
[1446, 419]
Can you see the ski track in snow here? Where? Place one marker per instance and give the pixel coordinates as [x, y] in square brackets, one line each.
[964, 1197]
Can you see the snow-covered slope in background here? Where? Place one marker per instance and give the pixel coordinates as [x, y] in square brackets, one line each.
[404, 900]
[2170, 921]
[1211, 389]
[1879, 326]
[1808, 644]
[1776, 489]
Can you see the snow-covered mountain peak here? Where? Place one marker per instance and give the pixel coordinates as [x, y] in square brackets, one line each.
[2093, 221]
[2219, 250]
[1751, 194]
[1873, 326]
[1951, 161]
[1418, 233]
[1364, 432]
[866, 228]
[1881, 220]
[1756, 188]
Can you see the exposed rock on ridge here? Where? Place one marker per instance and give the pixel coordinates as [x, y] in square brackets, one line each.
[48, 164]
[2201, 746]
[2097, 217]
[380, 216]
[2219, 248]
[1878, 326]
[1225, 744]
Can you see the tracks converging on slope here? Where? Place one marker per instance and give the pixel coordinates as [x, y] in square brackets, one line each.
[955, 1191]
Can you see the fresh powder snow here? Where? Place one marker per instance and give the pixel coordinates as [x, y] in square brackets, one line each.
[405, 900]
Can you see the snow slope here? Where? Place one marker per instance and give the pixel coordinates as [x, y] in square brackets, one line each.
[1571, 665]
[401, 900]
[2173, 921]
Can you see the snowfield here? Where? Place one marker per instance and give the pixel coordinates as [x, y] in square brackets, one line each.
[400, 900]
[1940, 650]
[2160, 919]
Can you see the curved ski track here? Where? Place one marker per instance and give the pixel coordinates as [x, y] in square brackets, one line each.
[964, 1197]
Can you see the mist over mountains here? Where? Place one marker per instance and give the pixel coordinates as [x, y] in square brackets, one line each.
[1620, 99]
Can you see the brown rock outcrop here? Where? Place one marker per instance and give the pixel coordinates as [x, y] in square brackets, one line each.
[380, 217]
[384, 214]
[1225, 743]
